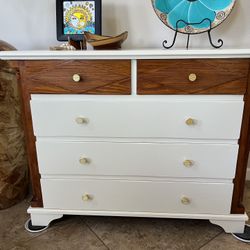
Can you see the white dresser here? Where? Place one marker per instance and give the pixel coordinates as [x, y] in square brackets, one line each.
[137, 133]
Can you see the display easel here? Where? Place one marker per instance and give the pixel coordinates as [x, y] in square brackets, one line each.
[179, 22]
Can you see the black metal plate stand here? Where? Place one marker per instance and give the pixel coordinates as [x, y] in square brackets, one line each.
[220, 42]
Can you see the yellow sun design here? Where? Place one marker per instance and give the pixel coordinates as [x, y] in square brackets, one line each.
[78, 17]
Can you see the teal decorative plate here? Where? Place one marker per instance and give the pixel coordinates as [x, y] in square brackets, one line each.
[197, 15]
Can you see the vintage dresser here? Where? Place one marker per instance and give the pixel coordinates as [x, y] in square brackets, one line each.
[150, 133]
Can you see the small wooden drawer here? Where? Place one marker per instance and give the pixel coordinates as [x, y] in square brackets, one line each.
[127, 116]
[137, 196]
[204, 76]
[180, 160]
[81, 76]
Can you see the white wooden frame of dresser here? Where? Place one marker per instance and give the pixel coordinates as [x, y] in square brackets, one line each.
[125, 54]
[230, 223]
[41, 216]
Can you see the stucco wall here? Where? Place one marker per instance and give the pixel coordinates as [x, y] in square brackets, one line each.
[31, 24]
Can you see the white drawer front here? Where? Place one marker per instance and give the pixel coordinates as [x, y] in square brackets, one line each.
[137, 159]
[136, 117]
[140, 196]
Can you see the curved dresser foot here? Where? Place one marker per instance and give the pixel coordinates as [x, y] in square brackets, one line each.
[231, 226]
[42, 219]
[244, 237]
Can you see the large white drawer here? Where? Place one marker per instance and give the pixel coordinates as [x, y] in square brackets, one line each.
[57, 157]
[137, 196]
[151, 117]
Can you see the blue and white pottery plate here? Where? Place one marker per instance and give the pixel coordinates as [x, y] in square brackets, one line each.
[196, 15]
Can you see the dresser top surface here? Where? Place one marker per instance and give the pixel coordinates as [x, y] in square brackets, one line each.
[124, 54]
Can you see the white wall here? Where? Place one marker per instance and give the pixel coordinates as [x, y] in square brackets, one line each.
[31, 24]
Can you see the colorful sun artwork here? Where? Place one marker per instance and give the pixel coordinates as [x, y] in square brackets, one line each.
[79, 16]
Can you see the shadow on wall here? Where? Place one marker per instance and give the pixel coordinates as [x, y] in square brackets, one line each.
[120, 17]
[112, 19]
[238, 21]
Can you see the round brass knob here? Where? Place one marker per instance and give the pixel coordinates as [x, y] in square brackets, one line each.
[86, 197]
[192, 77]
[76, 78]
[81, 120]
[188, 163]
[84, 160]
[185, 200]
[190, 121]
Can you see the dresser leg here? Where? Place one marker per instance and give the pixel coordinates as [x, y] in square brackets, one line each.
[40, 222]
[43, 219]
[230, 226]
[244, 237]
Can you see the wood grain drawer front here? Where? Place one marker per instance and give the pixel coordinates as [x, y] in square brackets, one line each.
[136, 117]
[137, 196]
[210, 76]
[137, 159]
[90, 76]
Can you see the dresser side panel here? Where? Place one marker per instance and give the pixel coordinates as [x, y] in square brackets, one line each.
[30, 139]
[244, 143]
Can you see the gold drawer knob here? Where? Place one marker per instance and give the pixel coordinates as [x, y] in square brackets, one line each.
[81, 120]
[86, 197]
[185, 200]
[192, 77]
[84, 160]
[190, 121]
[188, 163]
[76, 78]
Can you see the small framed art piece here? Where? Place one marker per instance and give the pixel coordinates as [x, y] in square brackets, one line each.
[76, 17]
